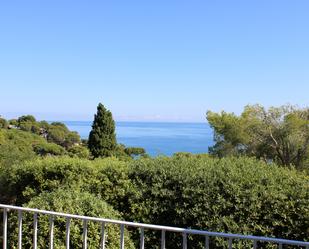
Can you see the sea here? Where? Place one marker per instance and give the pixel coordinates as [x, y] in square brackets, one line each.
[157, 138]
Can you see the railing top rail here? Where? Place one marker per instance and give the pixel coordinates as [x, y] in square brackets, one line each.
[159, 227]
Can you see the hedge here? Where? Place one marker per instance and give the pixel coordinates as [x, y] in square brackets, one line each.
[234, 195]
[73, 202]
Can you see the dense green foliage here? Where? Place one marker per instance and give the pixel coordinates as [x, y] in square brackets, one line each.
[58, 133]
[126, 153]
[3, 123]
[79, 151]
[25, 138]
[106, 178]
[55, 132]
[17, 146]
[47, 166]
[238, 195]
[74, 202]
[135, 151]
[48, 149]
[102, 137]
[228, 195]
[278, 134]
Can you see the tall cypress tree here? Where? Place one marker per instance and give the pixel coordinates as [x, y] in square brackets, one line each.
[102, 138]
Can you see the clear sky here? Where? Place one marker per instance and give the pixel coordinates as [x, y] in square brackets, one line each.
[168, 60]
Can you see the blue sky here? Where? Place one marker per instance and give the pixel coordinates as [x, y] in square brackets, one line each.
[151, 60]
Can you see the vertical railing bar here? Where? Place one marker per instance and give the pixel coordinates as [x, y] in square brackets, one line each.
[51, 232]
[206, 242]
[35, 230]
[85, 234]
[254, 244]
[122, 236]
[142, 240]
[103, 236]
[184, 241]
[163, 239]
[230, 243]
[5, 228]
[20, 228]
[67, 233]
[280, 246]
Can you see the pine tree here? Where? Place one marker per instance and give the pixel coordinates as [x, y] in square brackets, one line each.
[102, 138]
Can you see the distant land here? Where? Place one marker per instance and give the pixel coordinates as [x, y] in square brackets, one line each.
[158, 138]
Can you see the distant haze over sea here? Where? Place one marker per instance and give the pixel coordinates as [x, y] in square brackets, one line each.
[157, 137]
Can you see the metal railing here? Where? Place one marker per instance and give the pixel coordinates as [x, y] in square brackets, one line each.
[85, 219]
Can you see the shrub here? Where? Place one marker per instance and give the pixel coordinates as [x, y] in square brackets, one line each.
[73, 202]
[229, 195]
[106, 178]
[79, 151]
[44, 149]
[16, 146]
[134, 151]
[3, 123]
[235, 195]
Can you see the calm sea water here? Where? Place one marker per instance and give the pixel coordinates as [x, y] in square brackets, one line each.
[157, 138]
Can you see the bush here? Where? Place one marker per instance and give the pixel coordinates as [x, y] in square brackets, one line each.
[106, 178]
[234, 195]
[45, 149]
[229, 195]
[3, 123]
[134, 151]
[73, 202]
[79, 151]
[17, 146]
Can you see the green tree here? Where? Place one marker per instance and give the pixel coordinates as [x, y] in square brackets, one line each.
[102, 137]
[279, 134]
[28, 123]
[58, 133]
[135, 151]
[3, 123]
[26, 118]
[16, 146]
[72, 138]
[45, 149]
[13, 122]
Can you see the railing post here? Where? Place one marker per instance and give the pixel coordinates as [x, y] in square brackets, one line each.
[280, 246]
[184, 241]
[254, 244]
[122, 237]
[85, 234]
[67, 233]
[5, 228]
[35, 230]
[142, 241]
[51, 232]
[163, 239]
[230, 243]
[20, 228]
[207, 242]
[103, 236]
